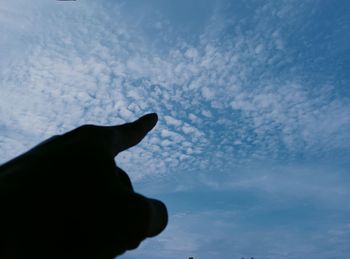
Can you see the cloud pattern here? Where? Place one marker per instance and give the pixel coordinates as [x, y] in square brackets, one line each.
[244, 94]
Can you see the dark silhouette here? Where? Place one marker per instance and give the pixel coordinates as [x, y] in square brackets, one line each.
[66, 198]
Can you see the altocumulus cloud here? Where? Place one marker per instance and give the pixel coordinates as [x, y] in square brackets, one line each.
[241, 92]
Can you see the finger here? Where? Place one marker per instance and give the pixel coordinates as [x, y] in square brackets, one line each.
[158, 217]
[130, 134]
[112, 139]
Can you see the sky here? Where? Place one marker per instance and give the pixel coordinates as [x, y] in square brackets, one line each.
[252, 150]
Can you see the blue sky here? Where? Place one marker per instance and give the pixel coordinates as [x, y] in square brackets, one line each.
[251, 153]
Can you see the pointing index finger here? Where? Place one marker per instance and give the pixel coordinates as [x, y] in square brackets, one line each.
[130, 134]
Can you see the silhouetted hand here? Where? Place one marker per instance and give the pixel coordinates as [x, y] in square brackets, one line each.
[66, 198]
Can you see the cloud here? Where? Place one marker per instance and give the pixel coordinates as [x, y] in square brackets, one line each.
[211, 234]
[220, 105]
[207, 93]
[172, 121]
[211, 95]
[233, 94]
[264, 211]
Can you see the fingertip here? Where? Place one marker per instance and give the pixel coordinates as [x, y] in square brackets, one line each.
[130, 134]
[148, 121]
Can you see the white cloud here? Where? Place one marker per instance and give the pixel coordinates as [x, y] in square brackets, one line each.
[223, 101]
[172, 121]
[207, 93]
